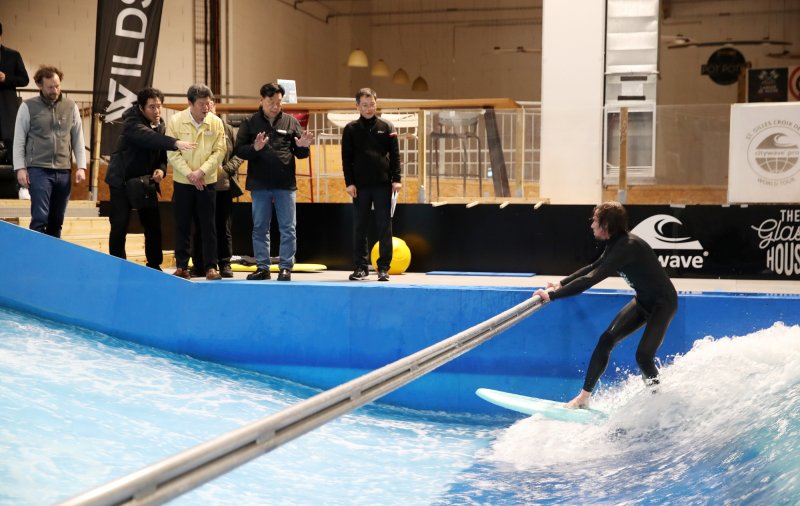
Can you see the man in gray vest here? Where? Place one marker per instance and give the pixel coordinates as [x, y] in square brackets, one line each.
[48, 132]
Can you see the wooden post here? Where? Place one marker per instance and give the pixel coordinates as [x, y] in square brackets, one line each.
[519, 152]
[97, 125]
[422, 159]
[622, 185]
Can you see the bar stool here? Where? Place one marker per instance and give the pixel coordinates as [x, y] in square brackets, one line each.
[461, 126]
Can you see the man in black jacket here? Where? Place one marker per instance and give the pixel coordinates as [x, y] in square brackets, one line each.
[12, 76]
[270, 141]
[371, 162]
[140, 151]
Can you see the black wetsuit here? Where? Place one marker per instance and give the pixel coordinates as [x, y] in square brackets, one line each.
[655, 303]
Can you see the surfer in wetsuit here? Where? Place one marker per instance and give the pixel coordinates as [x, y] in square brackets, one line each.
[654, 305]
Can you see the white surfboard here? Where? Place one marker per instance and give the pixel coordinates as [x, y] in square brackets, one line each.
[533, 406]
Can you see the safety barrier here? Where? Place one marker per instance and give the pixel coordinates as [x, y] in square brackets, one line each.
[176, 475]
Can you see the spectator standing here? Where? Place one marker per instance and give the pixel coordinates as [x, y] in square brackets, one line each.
[47, 133]
[141, 151]
[270, 141]
[224, 188]
[195, 175]
[371, 163]
[12, 76]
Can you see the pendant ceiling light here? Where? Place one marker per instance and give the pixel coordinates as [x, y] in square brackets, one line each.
[400, 77]
[380, 69]
[420, 84]
[357, 58]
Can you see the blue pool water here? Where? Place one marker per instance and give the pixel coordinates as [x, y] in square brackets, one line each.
[79, 408]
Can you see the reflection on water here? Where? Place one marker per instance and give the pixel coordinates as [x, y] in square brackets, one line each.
[79, 408]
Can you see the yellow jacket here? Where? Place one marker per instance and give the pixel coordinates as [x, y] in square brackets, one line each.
[208, 154]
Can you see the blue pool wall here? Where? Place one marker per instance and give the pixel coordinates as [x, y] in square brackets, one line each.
[323, 334]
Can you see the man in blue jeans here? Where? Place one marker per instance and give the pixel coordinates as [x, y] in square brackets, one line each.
[47, 133]
[270, 141]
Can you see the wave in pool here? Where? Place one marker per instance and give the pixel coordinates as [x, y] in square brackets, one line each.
[723, 428]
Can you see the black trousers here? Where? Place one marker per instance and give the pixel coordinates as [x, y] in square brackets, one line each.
[381, 197]
[224, 236]
[189, 202]
[628, 321]
[119, 216]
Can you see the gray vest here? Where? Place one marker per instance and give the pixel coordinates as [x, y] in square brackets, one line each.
[49, 141]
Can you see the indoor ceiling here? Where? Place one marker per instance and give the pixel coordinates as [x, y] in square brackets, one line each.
[421, 11]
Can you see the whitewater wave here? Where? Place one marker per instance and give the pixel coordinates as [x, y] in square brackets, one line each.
[724, 423]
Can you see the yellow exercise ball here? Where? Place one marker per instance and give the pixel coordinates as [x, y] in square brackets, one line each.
[401, 256]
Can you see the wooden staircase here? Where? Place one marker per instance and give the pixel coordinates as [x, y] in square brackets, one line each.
[83, 228]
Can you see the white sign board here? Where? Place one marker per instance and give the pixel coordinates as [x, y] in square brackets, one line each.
[291, 90]
[764, 153]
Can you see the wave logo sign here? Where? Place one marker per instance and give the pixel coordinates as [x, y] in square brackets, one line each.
[774, 153]
[686, 253]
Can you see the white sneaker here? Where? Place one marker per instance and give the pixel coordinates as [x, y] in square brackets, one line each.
[24, 194]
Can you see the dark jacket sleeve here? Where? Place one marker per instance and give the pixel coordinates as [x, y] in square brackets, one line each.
[394, 157]
[231, 163]
[16, 76]
[144, 137]
[297, 151]
[347, 155]
[607, 265]
[244, 141]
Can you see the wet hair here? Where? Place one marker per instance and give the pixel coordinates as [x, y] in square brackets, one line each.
[199, 91]
[365, 92]
[270, 89]
[147, 93]
[613, 217]
[47, 72]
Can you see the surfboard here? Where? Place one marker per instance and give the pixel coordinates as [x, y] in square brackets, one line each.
[546, 408]
[275, 268]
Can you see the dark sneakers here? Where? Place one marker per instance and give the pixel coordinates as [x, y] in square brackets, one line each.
[359, 274]
[259, 275]
[285, 275]
[225, 271]
[383, 275]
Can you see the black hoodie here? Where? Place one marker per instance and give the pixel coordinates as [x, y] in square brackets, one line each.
[140, 150]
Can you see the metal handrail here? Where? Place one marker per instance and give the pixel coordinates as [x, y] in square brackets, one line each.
[176, 475]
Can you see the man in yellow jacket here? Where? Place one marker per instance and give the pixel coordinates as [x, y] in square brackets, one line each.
[195, 174]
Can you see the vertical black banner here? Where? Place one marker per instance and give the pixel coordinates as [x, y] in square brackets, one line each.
[125, 54]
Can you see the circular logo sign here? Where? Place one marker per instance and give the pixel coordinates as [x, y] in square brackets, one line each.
[724, 65]
[774, 153]
[794, 83]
